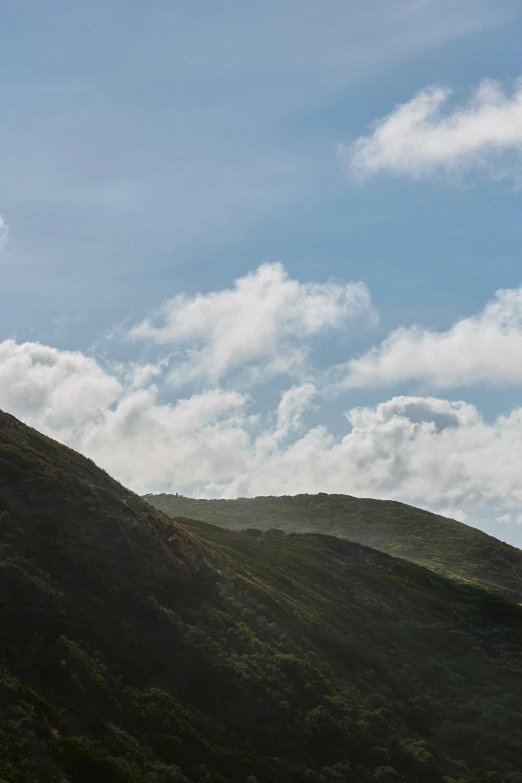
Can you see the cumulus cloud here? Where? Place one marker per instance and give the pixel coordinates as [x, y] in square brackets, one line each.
[484, 348]
[4, 230]
[60, 392]
[419, 140]
[423, 450]
[143, 443]
[448, 458]
[264, 323]
[148, 444]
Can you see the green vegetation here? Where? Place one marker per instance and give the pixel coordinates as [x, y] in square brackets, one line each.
[448, 547]
[135, 649]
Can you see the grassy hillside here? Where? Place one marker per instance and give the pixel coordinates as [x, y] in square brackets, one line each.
[136, 650]
[448, 547]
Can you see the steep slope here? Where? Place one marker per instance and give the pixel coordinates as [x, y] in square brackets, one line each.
[448, 547]
[135, 650]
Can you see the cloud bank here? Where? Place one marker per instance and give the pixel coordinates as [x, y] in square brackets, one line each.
[422, 450]
[420, 141]
[219, 442]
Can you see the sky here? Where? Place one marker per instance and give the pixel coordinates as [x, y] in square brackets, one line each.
[263, 249]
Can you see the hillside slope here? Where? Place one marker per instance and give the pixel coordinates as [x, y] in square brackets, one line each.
[133, 650]
[448, 547]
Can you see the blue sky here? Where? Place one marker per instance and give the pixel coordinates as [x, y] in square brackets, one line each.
[263, 172]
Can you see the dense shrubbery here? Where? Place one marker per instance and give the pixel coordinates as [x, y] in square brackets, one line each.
[132, 651]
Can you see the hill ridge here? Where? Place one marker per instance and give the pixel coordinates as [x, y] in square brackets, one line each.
[447, 546]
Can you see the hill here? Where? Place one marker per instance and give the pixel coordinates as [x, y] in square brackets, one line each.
[446, 546]
[136, 649]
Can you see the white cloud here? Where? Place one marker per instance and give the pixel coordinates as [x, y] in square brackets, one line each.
[262, 323]
[147, 444]
[417, 139]
[511, 518]
[72, 398]
[294, 403]
[4, 231]
[423, 450]
[141, 374]
[485, 348]
[61, 392]
[420, 450]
